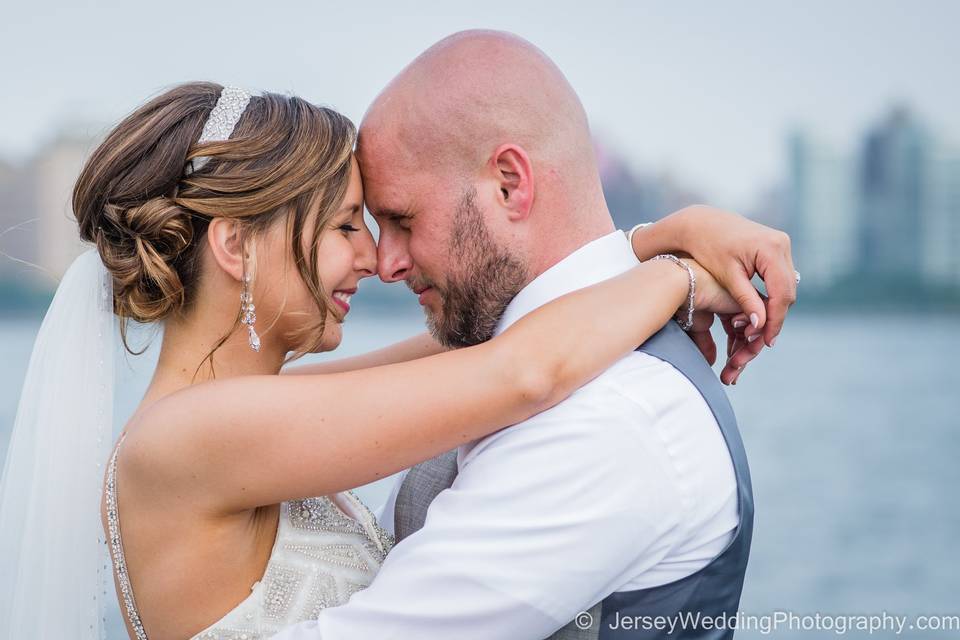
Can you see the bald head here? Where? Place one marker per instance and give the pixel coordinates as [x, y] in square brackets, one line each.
[478, 165]
[475, 90]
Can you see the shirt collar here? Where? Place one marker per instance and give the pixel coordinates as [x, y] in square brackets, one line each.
[594, 262]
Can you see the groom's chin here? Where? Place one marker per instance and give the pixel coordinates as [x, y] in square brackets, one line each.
[438, 330]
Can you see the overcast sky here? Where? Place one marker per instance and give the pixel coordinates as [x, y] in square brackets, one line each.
[705, 90]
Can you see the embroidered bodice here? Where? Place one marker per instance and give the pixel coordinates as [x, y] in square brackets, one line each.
[326, 549]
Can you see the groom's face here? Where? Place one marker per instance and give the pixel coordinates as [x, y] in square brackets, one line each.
[434, 236]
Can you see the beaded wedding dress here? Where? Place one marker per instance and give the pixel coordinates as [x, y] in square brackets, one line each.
[326, 549]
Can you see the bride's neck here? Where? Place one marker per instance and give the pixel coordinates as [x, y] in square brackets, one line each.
[188, 340]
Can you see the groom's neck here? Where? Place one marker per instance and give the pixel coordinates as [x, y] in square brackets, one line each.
[568, 232]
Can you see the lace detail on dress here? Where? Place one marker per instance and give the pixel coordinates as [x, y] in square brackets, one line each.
[320, 558]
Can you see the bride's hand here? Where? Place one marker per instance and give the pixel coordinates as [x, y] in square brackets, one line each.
[709, 295]
[711, 299]
[735, 249]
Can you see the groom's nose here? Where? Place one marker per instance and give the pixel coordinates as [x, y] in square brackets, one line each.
[393, 259]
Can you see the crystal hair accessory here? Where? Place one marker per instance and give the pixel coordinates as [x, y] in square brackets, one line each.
[222, 120]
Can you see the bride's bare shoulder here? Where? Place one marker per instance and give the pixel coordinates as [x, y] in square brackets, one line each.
[160, 452]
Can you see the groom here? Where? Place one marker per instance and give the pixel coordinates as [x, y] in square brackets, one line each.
[629, 500]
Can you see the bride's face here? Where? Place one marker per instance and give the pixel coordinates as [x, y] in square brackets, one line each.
[346, 254]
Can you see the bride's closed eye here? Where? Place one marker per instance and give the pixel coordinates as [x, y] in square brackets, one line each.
[348, 228]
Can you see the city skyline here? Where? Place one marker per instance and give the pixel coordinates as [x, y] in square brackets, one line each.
[700, 90]
[884, 213]
[886, 207]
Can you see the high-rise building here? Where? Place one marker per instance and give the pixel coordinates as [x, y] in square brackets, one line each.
[821, 210]
[893, 181]
[55, 170]
[18, 246]
[940, 223]
[38, 233]
[634, 197]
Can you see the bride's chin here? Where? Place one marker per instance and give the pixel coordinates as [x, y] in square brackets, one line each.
[332, 337]
[329, 341]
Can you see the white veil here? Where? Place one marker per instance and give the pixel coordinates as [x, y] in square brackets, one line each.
[54, 567]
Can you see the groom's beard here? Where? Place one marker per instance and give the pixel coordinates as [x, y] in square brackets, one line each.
[481, 285]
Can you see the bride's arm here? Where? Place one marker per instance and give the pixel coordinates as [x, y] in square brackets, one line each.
[733, 249]
[420, 346]
[244, 442]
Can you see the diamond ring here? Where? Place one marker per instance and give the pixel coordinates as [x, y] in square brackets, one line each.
[797, 274]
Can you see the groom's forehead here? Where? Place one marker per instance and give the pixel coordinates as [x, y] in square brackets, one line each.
[385, 189]
[388, 152]
[381, 173]
[398, 179]
[387, 182]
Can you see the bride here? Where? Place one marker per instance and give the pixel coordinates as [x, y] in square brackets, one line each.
[237, 222]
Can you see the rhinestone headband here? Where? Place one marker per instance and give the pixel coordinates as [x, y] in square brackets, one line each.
[220, 124]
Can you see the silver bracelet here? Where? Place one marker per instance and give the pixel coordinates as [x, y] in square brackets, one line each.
[634, 230]
[686, 326]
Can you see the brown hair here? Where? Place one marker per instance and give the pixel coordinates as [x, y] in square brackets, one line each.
[286, 157]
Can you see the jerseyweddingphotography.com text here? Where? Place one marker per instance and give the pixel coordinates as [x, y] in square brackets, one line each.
[778, 621]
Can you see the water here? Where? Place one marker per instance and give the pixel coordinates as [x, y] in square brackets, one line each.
[852, 429]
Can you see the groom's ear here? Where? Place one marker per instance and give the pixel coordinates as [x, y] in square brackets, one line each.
[514, 175]
[226, 244]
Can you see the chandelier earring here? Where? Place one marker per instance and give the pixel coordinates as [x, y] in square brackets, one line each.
[249, 312]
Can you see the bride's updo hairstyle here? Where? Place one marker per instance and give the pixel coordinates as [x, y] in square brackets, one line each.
[148, 215]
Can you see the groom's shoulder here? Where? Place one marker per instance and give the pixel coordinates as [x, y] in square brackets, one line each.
[634, 389]
[614, 423]
[640, 377]
[638, 391]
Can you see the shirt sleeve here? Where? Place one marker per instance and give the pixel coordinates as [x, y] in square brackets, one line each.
[545, 519]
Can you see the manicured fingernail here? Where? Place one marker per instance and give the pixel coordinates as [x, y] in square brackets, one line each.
[753, 337]
[739, 323]
[754, 320]
[773, 342]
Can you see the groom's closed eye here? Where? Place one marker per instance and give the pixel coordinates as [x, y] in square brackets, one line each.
[399, 218]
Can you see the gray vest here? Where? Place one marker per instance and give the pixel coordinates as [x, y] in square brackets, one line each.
[712, 592]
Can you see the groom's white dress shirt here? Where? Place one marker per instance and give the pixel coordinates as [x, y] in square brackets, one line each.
[625, 485]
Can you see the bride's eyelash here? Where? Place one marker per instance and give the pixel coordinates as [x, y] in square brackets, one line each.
[349, 228]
